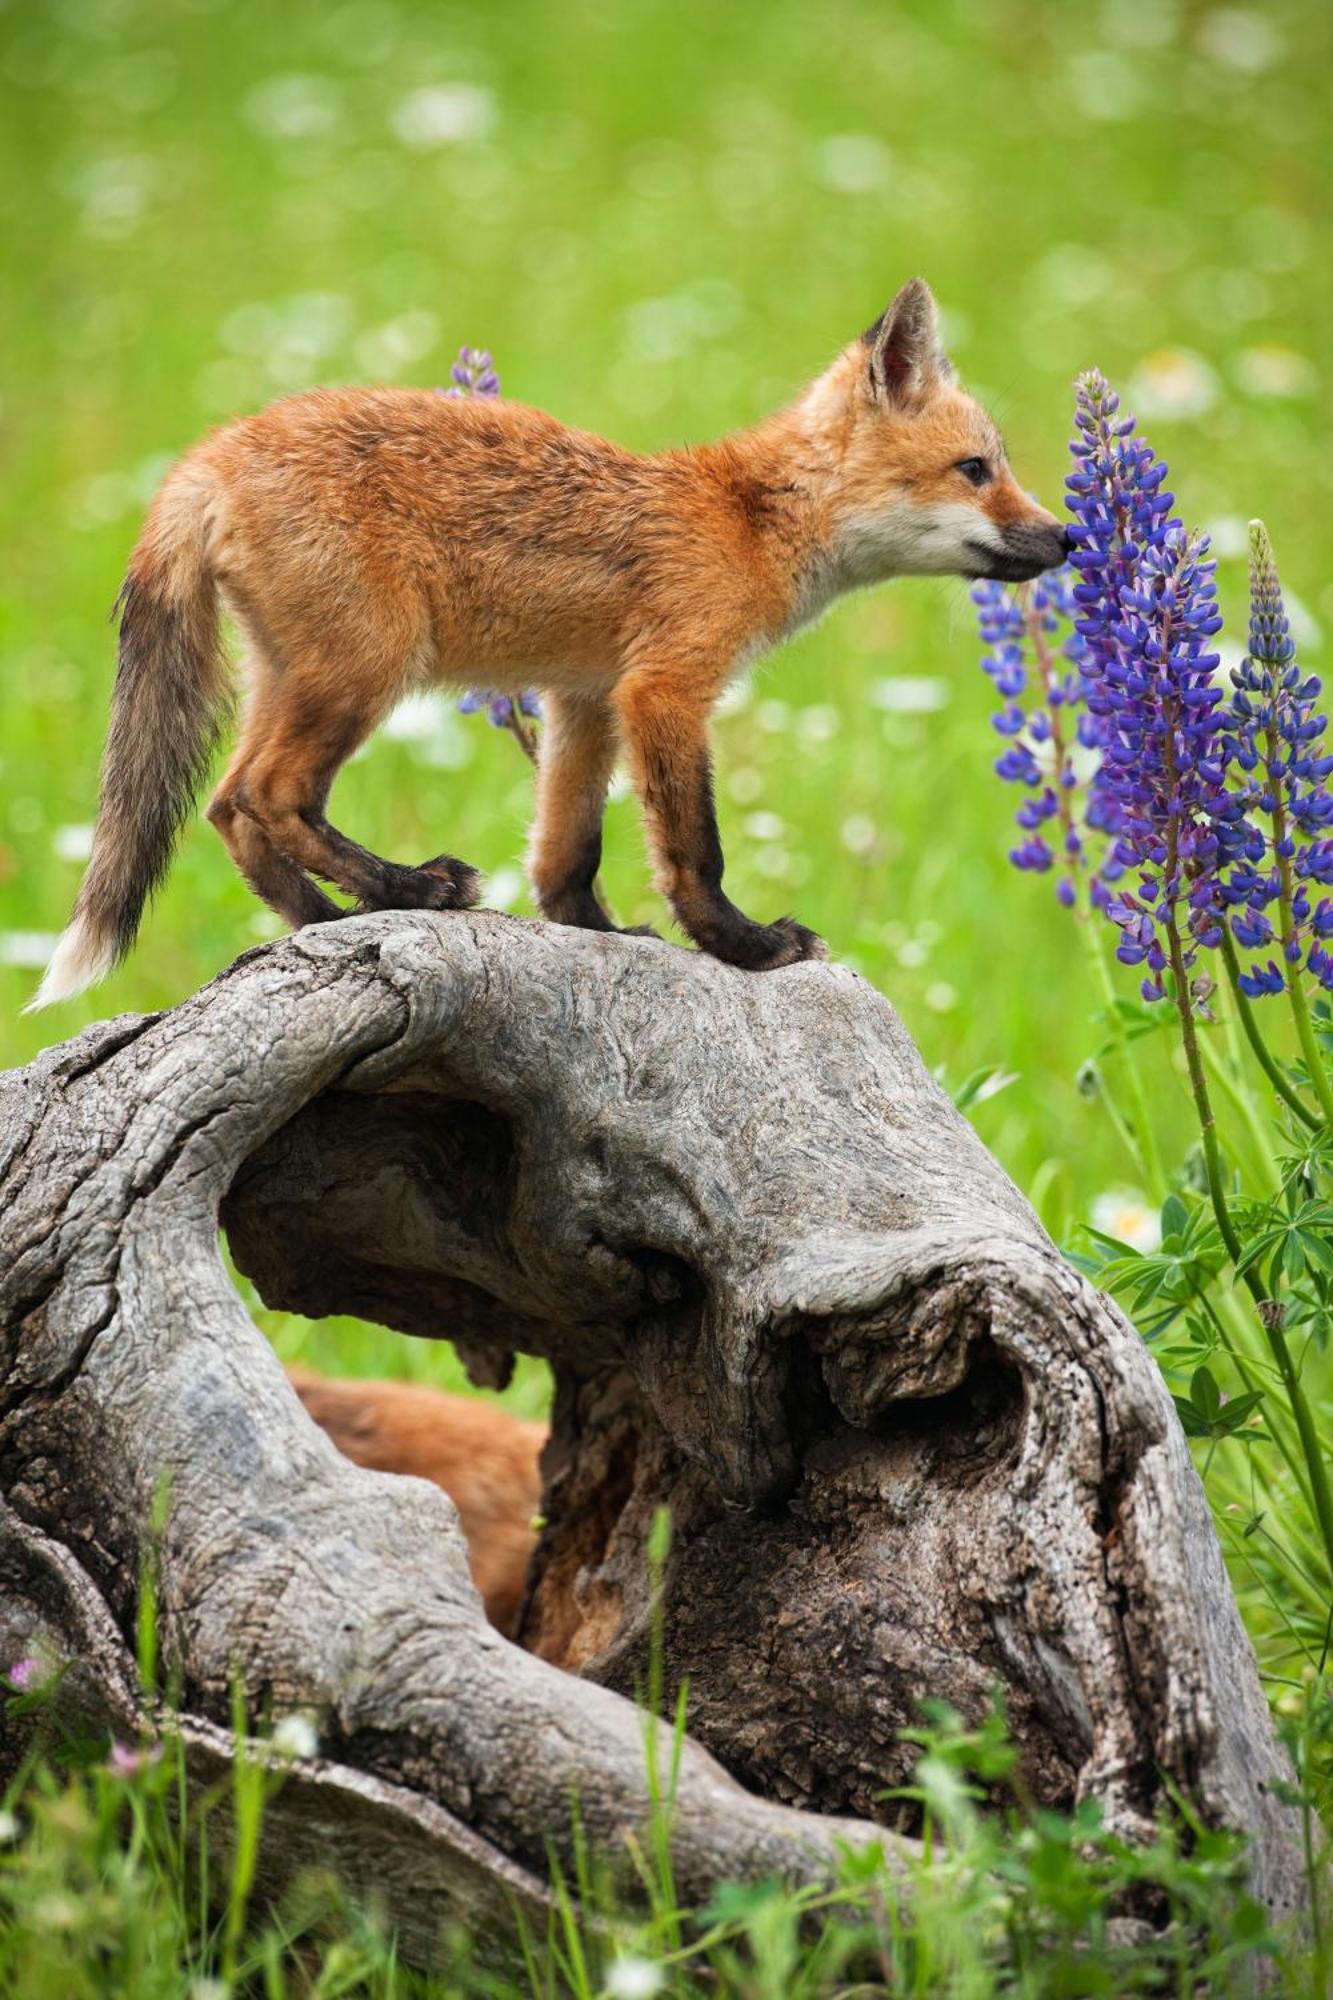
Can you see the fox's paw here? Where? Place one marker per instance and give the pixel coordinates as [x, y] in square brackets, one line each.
[448, 884]
[765, 947]
[795, 943]
[806, 943]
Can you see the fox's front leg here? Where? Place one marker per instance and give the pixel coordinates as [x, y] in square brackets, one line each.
[665, 725]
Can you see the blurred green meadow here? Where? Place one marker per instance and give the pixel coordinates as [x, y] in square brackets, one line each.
[662, 219]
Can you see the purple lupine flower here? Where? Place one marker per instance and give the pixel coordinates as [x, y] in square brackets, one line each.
[473, 374]
[1164, 760]
[1183, 783]
[502, 710]
[1275, 741]
[1037, 662]
[1115, 494]
[1147, 615]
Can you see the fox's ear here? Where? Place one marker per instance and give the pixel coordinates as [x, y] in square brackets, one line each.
[904, 343]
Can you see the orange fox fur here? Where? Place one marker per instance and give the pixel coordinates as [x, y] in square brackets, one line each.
[485, 1459]
[373, 541]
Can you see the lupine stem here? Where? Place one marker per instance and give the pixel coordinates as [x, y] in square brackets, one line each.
[1145, 1146]
[1212, 1156]
[525, 738]
[1271, 1319]
[1254, 1036]
[1243, 1364]
[1270, 1310]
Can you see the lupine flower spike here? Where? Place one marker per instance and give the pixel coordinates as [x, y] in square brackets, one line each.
[473, 374]
[1275, 743]
[1148, 615]
[1118, 729]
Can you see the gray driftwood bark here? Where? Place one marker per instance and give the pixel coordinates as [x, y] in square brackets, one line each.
[783, 1289]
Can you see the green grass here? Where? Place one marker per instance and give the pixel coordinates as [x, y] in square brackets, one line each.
[662, 218]
[113, 1881]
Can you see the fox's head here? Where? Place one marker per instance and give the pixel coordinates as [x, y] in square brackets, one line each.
[919, 485]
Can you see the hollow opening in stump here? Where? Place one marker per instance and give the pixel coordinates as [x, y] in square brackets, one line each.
[401, 1210]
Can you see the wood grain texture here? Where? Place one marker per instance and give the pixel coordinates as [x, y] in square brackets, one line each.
[782, 1286]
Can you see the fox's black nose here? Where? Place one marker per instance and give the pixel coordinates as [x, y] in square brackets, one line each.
[1067, 541]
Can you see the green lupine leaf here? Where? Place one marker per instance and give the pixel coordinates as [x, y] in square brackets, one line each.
[1191, 1422]
[1205, 1394]
[1175, 1219]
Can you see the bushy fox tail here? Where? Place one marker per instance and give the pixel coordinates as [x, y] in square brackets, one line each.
[170, 700]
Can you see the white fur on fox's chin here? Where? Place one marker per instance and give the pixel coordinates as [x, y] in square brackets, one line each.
[903, 539]
[79, 960]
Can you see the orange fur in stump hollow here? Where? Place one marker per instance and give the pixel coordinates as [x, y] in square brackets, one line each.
[369, 542]
[485, 1459]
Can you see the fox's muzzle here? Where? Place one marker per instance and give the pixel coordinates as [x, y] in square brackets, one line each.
[1029, 549]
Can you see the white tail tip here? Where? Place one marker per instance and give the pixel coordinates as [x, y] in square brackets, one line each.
[80, 959]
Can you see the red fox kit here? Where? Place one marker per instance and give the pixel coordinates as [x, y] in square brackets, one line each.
[373, 541]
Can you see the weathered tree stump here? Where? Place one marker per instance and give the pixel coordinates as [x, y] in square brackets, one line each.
[783, 1289]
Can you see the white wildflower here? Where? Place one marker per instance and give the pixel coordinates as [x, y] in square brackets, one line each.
[634, 1979]
[503, 889]
[1172, 383]
[1126, 1214]
[853, 163]
[295, 1737]
[73, 843]
[909, 694]
[443, 114]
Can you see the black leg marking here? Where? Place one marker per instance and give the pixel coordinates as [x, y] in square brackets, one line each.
[695, 860]
[443, 883]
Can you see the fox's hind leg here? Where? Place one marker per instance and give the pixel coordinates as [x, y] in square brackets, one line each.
[283, 885]
[578, 750]
[286, 789]
[300, 729]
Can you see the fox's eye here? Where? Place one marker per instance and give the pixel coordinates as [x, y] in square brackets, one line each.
[975, 469]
